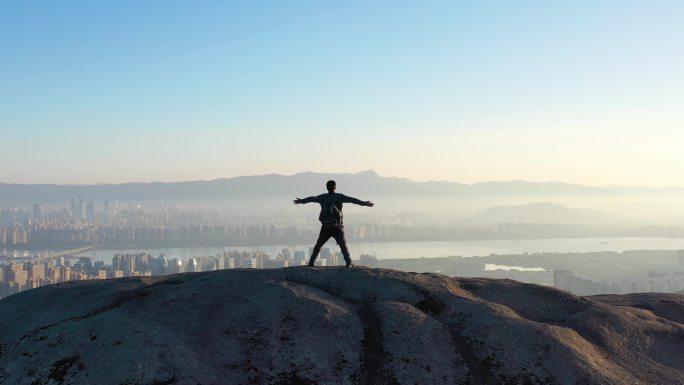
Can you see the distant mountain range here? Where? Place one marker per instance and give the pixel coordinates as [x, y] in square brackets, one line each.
[541, 212]
[365, 184]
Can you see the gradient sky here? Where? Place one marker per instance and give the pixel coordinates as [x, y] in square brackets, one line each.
[587, 92]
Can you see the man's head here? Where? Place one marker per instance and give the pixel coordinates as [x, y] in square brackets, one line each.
[330, 186]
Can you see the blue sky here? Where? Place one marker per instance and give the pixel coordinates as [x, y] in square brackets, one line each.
[583, 91]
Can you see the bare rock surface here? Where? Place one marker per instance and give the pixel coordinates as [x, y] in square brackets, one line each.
[668, 306]
[335, 326]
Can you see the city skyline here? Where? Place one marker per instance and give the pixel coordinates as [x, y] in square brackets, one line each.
[582, 92]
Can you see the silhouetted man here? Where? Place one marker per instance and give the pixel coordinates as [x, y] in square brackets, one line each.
[331, 219]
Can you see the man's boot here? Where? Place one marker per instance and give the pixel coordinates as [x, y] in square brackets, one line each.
[311, 263]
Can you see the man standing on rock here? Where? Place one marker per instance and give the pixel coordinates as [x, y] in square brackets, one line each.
[331, 219]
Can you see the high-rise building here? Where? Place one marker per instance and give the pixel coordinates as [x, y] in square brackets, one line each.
[176, 266]
[299, 257]
[325, 253]
[21, 278]
[37, 212]
[107, 212]
[191, 265]
[160, 266]
[220, 263]
[118, 262]
[562, 279]
[249, 263]
[74, 207]
[65, 274]
[3, 236]
[335, 259]
[16, 267]
[287, 254]
[5, 216]
[90, 212]
[130, 264]
[55, 274]
[37, 271]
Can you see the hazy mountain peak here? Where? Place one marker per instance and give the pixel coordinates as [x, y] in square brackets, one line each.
[369, 172]
[540, 212]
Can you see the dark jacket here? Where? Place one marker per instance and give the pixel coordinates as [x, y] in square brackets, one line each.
[325, 200]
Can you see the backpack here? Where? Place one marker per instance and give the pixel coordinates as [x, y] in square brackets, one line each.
[330, 213]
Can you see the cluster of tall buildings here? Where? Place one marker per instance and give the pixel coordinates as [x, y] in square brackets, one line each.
[653, 281]
[14, 236]
[47, 235]
[127, 225]
[125, 265]
[17, 277]
[79, 210]
[157, 225]
[58, 233]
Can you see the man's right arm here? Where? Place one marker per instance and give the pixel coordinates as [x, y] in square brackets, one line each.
[305, 200]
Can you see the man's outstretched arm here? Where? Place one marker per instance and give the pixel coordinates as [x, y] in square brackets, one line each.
[355, 201]
[305, 200]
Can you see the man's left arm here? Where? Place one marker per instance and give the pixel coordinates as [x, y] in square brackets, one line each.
[346, 199]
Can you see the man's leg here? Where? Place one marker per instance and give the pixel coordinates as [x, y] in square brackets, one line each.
[342, 242]
[323, 237]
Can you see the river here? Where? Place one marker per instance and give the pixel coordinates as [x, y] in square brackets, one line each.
[389, 250]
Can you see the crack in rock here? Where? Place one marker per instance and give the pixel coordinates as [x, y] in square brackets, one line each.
[373, 369]
[479, 370]
[374, 358]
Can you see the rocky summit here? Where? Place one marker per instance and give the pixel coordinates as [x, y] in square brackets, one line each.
[335, 326]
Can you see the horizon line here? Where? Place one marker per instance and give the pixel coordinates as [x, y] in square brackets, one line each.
[368, 171]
